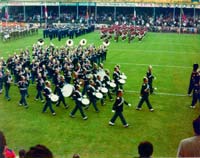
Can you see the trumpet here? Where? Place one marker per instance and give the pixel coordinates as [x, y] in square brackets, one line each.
[69, 42]
[83, 42]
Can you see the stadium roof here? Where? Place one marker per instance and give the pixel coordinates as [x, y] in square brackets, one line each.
[107, 1]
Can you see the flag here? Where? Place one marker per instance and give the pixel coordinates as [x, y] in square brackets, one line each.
[134, 15]
[6, 13]
[183, 17]
[45, 11]
[87, 15]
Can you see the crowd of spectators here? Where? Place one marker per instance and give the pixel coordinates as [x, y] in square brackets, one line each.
[156, 19]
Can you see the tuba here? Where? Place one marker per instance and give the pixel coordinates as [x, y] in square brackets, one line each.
[69, 42]
[83, 42]
[40, 42]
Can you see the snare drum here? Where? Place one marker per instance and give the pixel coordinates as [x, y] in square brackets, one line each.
[85, 101]
[99, 95]
[123, 77]
[67, 90]
[104, 90]
[121, 81]
[112, 85]
[54, 98]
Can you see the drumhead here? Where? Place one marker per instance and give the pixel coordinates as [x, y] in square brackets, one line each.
[54, 97]
[123, 77]
[85, 101]
[99, 95]
[104, 90]
[67, 90]
[112, 84]
[121, 81]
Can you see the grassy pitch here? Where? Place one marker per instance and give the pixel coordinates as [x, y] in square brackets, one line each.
[172, 57]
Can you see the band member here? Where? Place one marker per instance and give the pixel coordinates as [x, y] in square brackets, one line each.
[145, 95]
[40, 87]
[196, 90]
[192, 78]
[7, 82]
[55, 80]
[47, 91]
[116, 77]
[27, 75]
[91, 94]
[77, 98]
[1, 78]
[23, 84]
[106, 81]
[98, 85]
[118, 109]
[60, 85]
[150, 79]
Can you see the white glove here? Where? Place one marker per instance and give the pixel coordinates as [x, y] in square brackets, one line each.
[79, 99]
[113, 110]
[140, 97]
[129, 105]
[154, 78]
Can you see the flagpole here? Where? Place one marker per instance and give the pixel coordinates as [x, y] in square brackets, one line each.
[194, 16]
[180, 20]
[6, 15]
[46, 14]
[134, 16]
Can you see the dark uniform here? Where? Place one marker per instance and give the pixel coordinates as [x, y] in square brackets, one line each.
[77, 98]
[91, 94]
[23, 84]
[192, 78]
[196, 90]
[150, 77]
[7, 82]
[47, 91]
[1, 79]
[40, 88]
[118, 109]
[60, 85]
[145, 95]
[106, 81]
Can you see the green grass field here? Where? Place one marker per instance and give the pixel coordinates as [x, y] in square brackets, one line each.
[172, 57]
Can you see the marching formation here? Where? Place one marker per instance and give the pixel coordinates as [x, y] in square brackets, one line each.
[124, 32]
[69, 72]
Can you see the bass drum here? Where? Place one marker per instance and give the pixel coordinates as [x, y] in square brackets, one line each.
[67, 90]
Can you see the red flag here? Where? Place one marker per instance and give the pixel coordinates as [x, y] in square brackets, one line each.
[183, 16]
[45, 12]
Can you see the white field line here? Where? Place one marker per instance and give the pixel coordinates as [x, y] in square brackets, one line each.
[156, 65]
[163, 51]
[159, 93]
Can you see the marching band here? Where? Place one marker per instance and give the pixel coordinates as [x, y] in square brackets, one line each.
[81, 64]
[124, 32]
